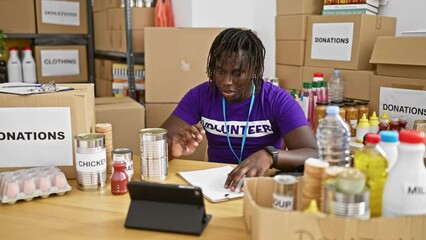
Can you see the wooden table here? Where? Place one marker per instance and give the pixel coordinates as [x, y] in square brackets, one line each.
[100, 215]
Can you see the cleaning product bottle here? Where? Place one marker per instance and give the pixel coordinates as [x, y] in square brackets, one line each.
[14, 66]
[405, 188]
[371, 160]
[28, 66]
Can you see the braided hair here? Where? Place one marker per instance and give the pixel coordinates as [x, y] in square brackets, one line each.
[232, 42]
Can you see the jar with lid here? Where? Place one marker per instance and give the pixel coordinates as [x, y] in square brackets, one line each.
[351, 116]
[319, 112]
[363, 107]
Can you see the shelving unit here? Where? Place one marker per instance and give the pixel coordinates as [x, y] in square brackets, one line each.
[60, 39]
[130, 57]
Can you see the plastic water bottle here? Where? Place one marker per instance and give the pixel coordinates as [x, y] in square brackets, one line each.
[405, 188]
[371, 160]
[335, 87]
[333, 137]
[14, 66]
[389, 143]
[28, 66]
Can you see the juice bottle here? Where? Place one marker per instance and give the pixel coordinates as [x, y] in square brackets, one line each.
[372, 162]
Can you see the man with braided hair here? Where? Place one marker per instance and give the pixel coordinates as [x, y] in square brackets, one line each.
[244, 118]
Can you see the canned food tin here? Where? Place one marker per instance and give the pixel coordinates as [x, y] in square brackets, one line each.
[284, 192]
[154, 154]
[91, 165]
[123, 155]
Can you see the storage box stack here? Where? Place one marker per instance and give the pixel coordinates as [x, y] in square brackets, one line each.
[400, 81]
[109, 26]
[337, 7]
[290, 34]
[175, 62]
[65, 63]
[103, 72]
[17, 16]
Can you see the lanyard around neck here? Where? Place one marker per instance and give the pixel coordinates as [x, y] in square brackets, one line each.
[245, 129]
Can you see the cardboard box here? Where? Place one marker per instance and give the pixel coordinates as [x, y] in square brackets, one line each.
[157, 113]
[66, 16]
[264, 222]
[290, 27]
[103, 87]
[290, 7]
[62, 64]
[400, 56]
[102, 40]
[290, 52]
[17, 16]
[378, 81]
[289, 77]
[175, 61]
[141, 18]
[80, 101]
[356, 83]
[103, 68]
[126, 116]
[345, 41]
[118, 40]
[102, 5]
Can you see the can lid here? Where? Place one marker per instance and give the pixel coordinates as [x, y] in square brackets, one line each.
[122, 151]
[153, 134]
[90, 140]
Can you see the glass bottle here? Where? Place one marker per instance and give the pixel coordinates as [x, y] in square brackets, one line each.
[404, 192]
[319, 112]
[371, 160]
[363, 107]
[119, 178]
[383, 124]
[394, 124]
[351, 116]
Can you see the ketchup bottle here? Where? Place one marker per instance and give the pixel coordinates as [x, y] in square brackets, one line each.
[119, 178]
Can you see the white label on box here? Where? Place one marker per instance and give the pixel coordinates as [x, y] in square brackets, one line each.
[332, 41]
[60, 12]
[403, 102]
[37, 136]
[60, 63]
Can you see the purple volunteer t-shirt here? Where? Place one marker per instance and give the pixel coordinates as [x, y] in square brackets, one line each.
[274, 114]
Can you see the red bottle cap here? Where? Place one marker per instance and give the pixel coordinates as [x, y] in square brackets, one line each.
[372, 138]
[26, 48]
[411, 136]
[318, 74]
[13, 48]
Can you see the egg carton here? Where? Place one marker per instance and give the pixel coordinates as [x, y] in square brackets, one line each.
[26, 184]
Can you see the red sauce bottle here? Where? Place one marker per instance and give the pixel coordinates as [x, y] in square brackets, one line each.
[383, 124]
[402, 122]
[119, 178]
[394, 124]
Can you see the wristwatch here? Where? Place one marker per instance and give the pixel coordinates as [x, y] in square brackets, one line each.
[274, 153]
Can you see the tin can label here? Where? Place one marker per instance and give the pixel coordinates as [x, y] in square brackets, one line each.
[282, 202]
[91, 163]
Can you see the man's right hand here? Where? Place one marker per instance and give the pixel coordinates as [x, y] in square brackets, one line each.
[186, 141]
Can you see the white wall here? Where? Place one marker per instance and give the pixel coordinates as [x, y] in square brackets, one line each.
[410, 14]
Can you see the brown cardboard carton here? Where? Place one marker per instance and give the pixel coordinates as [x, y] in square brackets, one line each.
[289, 77]
[141, 18]
[126, 116]
[175, 61]
[352, 43]
[103, 87]
[378, 81]
[157, 113]
[80, 101]
[102, 40]
[17, 16]
[103, 68]
[290, 52]
[102, 5]
[264, 222]
[290, 7]
[356, 83]
[43, 27]
[400, 56]
[118, 40]
[82, 76]
[290, 27]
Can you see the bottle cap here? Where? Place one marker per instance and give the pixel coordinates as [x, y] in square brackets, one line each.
[13, 48]
[336, 72]
[411, 136]
[385, 115]
[307, 85]
[374, 116]
[363, 122]
[26, 48]
[389, 136]
[372, 138]
[318, 74]
[332, 110]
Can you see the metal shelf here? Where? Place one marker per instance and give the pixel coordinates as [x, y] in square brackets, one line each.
[48, 36]
[139, 57]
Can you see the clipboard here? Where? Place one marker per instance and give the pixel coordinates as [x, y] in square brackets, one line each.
[212, 181]
[166, 207]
